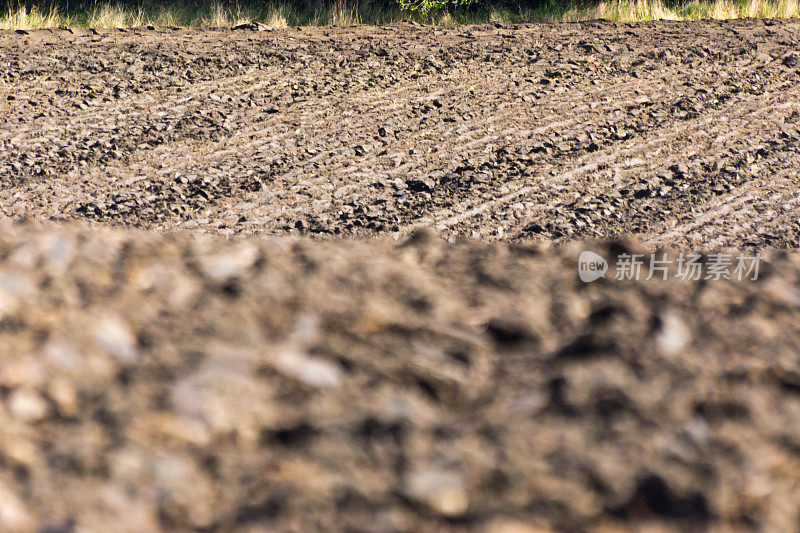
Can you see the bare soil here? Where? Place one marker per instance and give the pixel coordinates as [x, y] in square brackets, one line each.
[190, 339]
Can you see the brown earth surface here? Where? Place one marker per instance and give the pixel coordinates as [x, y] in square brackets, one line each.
[177, 354]
[679, 133]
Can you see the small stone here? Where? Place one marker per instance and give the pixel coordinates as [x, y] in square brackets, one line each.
[62, 356]
[698, 431]
[114, 336]
[27, 405]
[187, 490]
[14, 290]
[441, 490]
[449, 501]
[673, 334]
[14, 516]
[224, 395]
[64, 396]
[292, 356]
[231, 264]
[313, 371]
[58, 251]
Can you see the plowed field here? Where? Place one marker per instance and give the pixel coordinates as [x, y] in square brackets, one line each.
[219, 309]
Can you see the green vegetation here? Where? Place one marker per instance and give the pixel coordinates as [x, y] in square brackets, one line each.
[278, 13]
[428, 7]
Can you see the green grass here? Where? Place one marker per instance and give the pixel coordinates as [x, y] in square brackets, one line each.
[276, 14]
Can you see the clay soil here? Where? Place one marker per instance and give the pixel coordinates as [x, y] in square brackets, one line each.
[326, 279]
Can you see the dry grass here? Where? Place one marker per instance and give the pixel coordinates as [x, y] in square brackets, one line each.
[340, 14]
[276, 19]
[349, 13]
[639, 10]
[26, 19]
[620, 11]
